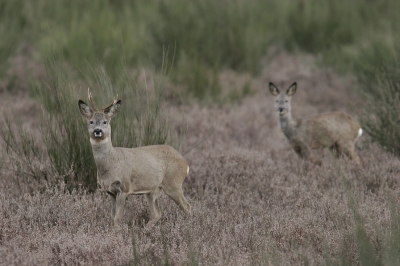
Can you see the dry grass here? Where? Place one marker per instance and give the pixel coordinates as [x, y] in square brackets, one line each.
[252, 204]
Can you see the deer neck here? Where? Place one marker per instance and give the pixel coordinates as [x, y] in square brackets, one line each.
[103, 153]
[288, 125]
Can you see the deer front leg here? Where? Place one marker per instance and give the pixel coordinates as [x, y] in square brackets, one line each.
[119, 207]
[303, 153]
[113, 207]
[118, 202]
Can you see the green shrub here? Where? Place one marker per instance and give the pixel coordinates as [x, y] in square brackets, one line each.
[381, 116]
[196, 78]
[206, 36]
[314, 26]
[210, 35]
[230, 34]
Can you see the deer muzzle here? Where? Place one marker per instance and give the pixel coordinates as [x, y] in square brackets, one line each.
[97, 133]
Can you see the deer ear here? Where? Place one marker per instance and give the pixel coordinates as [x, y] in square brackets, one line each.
[85, 109]
[273, 89]
[112, 110]
[292, 89]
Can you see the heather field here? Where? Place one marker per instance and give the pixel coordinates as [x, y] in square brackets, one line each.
[252, 202]
[195, 76]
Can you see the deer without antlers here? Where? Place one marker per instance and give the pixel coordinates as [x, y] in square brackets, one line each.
[336, 130]
[124, 171]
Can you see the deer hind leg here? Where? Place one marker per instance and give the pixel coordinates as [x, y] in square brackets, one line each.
[335, 150]
[154, 207]
[348, 150]
[175, 192]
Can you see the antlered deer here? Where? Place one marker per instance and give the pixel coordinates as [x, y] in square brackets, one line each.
[124, 171]
[336, 130]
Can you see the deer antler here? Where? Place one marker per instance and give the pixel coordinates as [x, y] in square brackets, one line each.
[91, 100]
[112, 103]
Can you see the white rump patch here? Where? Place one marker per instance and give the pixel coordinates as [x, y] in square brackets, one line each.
[187, 170]
[360, 132]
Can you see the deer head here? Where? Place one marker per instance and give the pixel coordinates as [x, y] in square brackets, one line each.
[282, 100]
[99, 120]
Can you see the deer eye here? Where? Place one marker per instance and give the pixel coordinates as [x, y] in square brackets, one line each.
[286, 101]
[91, 122]
[105, 122]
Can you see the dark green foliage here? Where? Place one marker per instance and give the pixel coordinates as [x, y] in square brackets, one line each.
[198, 79]
[231, 34]
[381, 117]
[93, 31]
[205, 36]
[210, 35]
[314, 26]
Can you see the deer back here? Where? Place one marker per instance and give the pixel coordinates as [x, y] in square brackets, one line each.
[143, 169]
[329, 128]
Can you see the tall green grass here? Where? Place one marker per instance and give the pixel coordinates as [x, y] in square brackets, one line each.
[202, 37]
[66, 151]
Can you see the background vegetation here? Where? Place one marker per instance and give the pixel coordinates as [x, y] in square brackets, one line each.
[180, 56]
[201, 37]
[66, 153]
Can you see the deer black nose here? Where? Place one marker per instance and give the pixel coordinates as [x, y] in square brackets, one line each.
[280, 110]
[98, 133]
